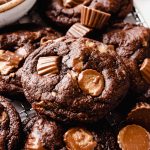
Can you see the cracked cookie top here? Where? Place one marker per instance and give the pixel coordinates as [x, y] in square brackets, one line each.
[132, 44]
[74, 79]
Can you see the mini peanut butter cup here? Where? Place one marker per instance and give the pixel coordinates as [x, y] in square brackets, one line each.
[93, 18]
[79, 139]
[134, 137]
[8, 62]
[78, 30]
[47, 65]
[145, 70]
[140, 115]
[91, 82]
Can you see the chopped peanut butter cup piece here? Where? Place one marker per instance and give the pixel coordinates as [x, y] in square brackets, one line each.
[3, 116]
[72, 3]
[93, 18]
[134, 137]
[78, 64]
[10, 57]
[45, 40]
[1, 52]
[48, 65]
[34, 139]
[79, 139]
[91, 82]
[8, 62]
[22, 52]
[145, 70]
[5, 68]
[78, 30]
[140, 115]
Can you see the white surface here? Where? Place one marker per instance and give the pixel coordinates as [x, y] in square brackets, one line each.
[143, 6]
[15, 13]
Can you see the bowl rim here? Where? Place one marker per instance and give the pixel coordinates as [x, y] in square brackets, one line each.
[9, 5]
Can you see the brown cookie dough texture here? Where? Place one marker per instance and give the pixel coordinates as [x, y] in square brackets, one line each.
[89, 81]
[117, 8]
[134, 137]
[145, 70]
[44, 135]
[132, 44]
[14, 48]
[9, 125]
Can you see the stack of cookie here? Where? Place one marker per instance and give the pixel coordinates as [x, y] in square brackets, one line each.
[89, 92]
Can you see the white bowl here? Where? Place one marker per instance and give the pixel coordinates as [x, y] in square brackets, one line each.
[15, 13]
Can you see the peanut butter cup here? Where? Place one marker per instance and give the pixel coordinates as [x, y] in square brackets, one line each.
[134, 137]
[140, 115]
[78, 30]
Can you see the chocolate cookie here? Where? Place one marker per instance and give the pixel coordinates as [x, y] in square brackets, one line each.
[15, 46]
[9, 125]
[74, 79]
[46, 134]
[132, 44]
[117, 8]
[65, 13]
[43, 134]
